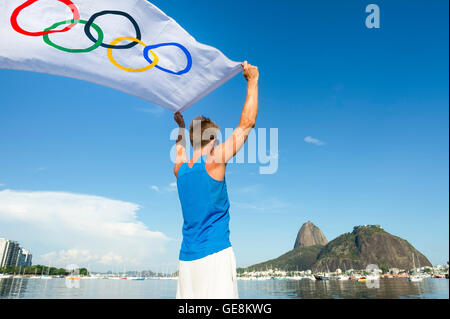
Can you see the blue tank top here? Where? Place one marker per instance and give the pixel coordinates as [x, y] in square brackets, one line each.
[205, 206]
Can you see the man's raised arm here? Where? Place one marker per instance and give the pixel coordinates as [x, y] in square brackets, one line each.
[181, 143]
[227, 150]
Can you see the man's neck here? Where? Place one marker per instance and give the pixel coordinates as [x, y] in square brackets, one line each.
[199, 153]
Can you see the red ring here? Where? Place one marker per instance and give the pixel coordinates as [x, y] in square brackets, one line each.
[74, 9]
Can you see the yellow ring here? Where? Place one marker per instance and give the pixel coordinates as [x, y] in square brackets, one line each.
[111, 58]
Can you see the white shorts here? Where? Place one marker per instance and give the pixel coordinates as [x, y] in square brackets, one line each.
[211, 277]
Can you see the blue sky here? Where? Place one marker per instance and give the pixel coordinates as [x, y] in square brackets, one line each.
[377, 98]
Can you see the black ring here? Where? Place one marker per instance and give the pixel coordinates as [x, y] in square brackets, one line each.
[87, 29]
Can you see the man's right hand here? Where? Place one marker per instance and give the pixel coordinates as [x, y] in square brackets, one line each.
[251, 72]
[179, 119]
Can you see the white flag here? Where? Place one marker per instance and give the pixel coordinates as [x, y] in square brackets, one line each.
[128, 45]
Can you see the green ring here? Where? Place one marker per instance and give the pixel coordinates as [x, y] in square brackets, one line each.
[91, 48]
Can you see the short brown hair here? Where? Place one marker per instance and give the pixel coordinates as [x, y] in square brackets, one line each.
[206, 125]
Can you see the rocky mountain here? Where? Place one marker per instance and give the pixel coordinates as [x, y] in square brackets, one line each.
[309, 243]
[310, 235]
[369, 245]
[300, 258]
[363, 246]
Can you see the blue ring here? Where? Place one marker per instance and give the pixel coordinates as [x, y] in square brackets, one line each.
[186, 52]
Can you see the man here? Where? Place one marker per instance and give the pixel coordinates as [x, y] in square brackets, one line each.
[207, 267]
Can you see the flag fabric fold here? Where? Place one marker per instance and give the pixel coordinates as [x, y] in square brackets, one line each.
[128, 45]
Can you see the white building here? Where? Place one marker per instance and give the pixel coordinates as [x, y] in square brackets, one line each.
[9, 251]
[11, 254]
[25, 258]
[4, 243]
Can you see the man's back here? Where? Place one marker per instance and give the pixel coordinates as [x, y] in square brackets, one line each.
[205, 206]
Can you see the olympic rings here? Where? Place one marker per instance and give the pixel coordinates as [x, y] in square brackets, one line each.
[99, 42]
[95, 16]
[91, 48]
[16, 27]
[186, 52]
[111, 58]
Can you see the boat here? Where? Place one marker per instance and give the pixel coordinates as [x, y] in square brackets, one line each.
[415, 277]
[124, 274]
[325, 276]
[297, 278]
[73, 277]
[342, 277]
[45, 276]
[362, 279]
[319, 277]
[140, 278]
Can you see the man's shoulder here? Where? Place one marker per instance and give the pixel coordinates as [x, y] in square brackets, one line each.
[214, 168]
[178, 168]
[213, 161]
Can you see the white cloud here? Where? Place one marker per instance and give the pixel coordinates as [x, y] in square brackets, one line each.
[111, 258]
[168, 189]
[79, 229]
[65, 257]
[2, 185]
[84, 257]
[172, 187]
[315, 141]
